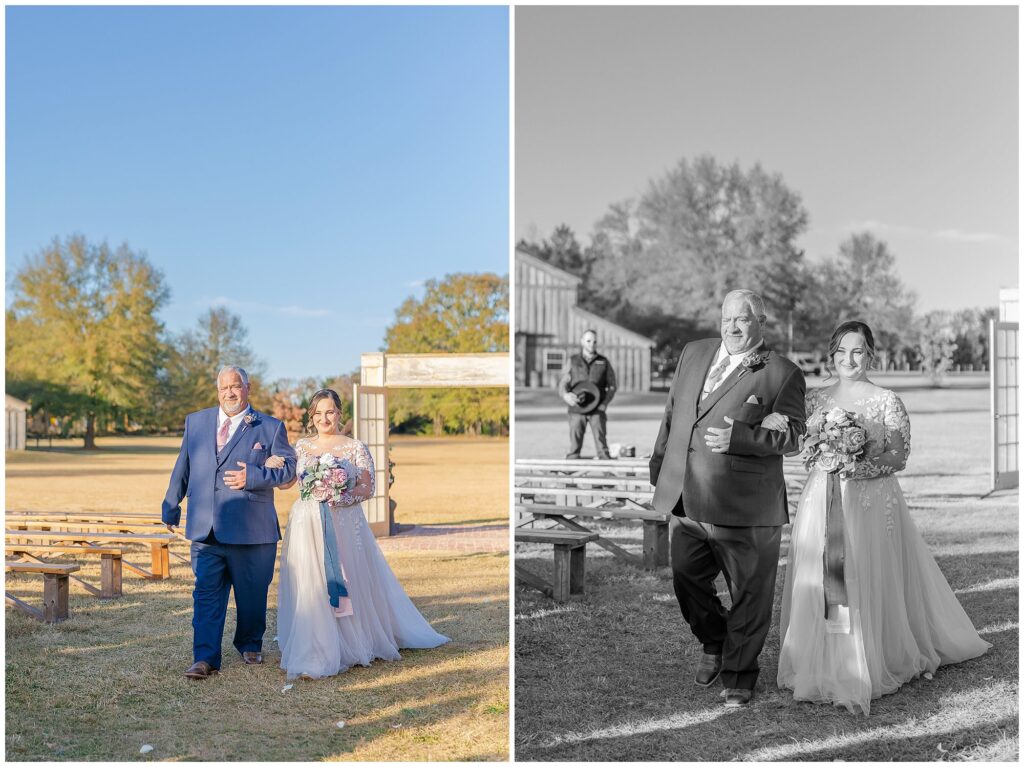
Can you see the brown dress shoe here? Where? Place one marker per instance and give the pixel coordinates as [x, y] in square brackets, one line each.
[252, 658]
[200, 670]
[708, 669]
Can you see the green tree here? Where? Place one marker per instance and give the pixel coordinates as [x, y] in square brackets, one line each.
[970, 328]
[699, 231]
[461, 314]
[563, 250]
[936, 344]
[862, 283]
[196, 356]
[83, 338]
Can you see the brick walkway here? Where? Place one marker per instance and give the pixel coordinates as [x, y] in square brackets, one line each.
[479, 538]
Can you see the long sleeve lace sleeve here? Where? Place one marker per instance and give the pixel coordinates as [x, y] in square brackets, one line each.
[896, 449]
[361, 463]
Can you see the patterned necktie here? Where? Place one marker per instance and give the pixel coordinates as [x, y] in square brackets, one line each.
[715, 376]
[222, 435]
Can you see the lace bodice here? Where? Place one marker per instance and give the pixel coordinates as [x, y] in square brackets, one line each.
[886, 422]
[353, 452]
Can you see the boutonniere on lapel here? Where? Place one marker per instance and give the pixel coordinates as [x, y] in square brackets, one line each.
[251, 418]
[755, 359]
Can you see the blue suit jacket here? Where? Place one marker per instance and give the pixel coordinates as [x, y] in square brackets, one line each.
[235, 516]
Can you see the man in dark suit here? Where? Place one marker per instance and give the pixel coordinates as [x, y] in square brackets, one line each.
[720, 474]
[231, 522]
[589, 370]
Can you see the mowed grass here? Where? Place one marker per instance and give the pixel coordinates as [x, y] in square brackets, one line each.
[108, 681]
[609, 676]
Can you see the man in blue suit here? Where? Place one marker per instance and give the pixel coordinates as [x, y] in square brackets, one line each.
[232, 522]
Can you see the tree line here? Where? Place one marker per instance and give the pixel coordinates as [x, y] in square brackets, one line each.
[660, 263]
[85, 347]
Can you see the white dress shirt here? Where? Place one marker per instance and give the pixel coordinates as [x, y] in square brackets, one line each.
[235, 420]
[734, 362]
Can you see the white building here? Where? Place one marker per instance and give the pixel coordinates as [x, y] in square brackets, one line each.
[16, 416]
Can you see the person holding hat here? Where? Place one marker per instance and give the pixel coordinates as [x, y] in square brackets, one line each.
[587, 386]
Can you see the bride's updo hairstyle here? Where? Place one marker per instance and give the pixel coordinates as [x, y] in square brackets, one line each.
[317, 397]
[851, 326]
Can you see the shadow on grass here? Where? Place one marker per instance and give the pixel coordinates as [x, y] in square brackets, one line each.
[608, 676]
[100, 685]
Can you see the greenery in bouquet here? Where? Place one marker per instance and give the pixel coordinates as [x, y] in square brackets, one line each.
[833, 441]
[328, 479]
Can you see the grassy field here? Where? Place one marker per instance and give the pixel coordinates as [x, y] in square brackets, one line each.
[108, 681]
[608, 676]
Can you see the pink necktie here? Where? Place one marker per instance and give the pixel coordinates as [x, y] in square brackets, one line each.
[222, 435]
[715, 376]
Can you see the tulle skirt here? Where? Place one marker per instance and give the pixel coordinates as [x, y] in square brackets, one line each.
[313, 641]
[903, 620]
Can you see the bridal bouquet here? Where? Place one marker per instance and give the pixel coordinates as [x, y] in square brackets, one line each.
[328, 479]
[833, 441]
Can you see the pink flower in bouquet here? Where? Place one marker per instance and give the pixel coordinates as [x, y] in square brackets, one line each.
[338, 476]
[829, 462]
[321, 492]
[853, 439]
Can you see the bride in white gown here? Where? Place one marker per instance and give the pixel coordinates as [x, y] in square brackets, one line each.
[900, 618]
[377, 618]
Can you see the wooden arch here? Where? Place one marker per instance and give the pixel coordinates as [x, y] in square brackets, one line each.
[380, 372]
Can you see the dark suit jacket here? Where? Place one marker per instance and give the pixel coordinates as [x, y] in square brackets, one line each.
[743, 487]
[235, 516]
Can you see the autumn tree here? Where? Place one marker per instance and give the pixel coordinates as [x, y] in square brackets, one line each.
[83, 338]
[291, 398]
[461, 314]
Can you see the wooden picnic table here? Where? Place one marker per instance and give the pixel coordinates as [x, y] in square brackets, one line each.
[159, 545]
[628, 467]
[655, 528]
[637, 496]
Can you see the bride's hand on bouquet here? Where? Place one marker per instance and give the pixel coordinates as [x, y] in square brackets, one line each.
[775, 422]
[274, 462]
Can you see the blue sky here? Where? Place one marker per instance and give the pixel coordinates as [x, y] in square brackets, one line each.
[309, 168]
[899, 120]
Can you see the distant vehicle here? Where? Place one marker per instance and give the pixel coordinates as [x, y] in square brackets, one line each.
[809, 362]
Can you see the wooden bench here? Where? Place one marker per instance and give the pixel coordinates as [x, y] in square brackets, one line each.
[159, 544]
[55, 589]
[570, 561]
[110, 564]
[613, 465]
[655, 528]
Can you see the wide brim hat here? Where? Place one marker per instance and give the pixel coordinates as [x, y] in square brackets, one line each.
[588, 396]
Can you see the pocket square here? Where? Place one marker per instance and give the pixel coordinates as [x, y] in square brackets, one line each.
[257, 446]
[752, 400]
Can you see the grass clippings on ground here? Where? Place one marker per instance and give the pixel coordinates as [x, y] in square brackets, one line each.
[609, 675]
[109, 681]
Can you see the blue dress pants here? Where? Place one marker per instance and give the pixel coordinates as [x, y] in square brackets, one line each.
[219, 567]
